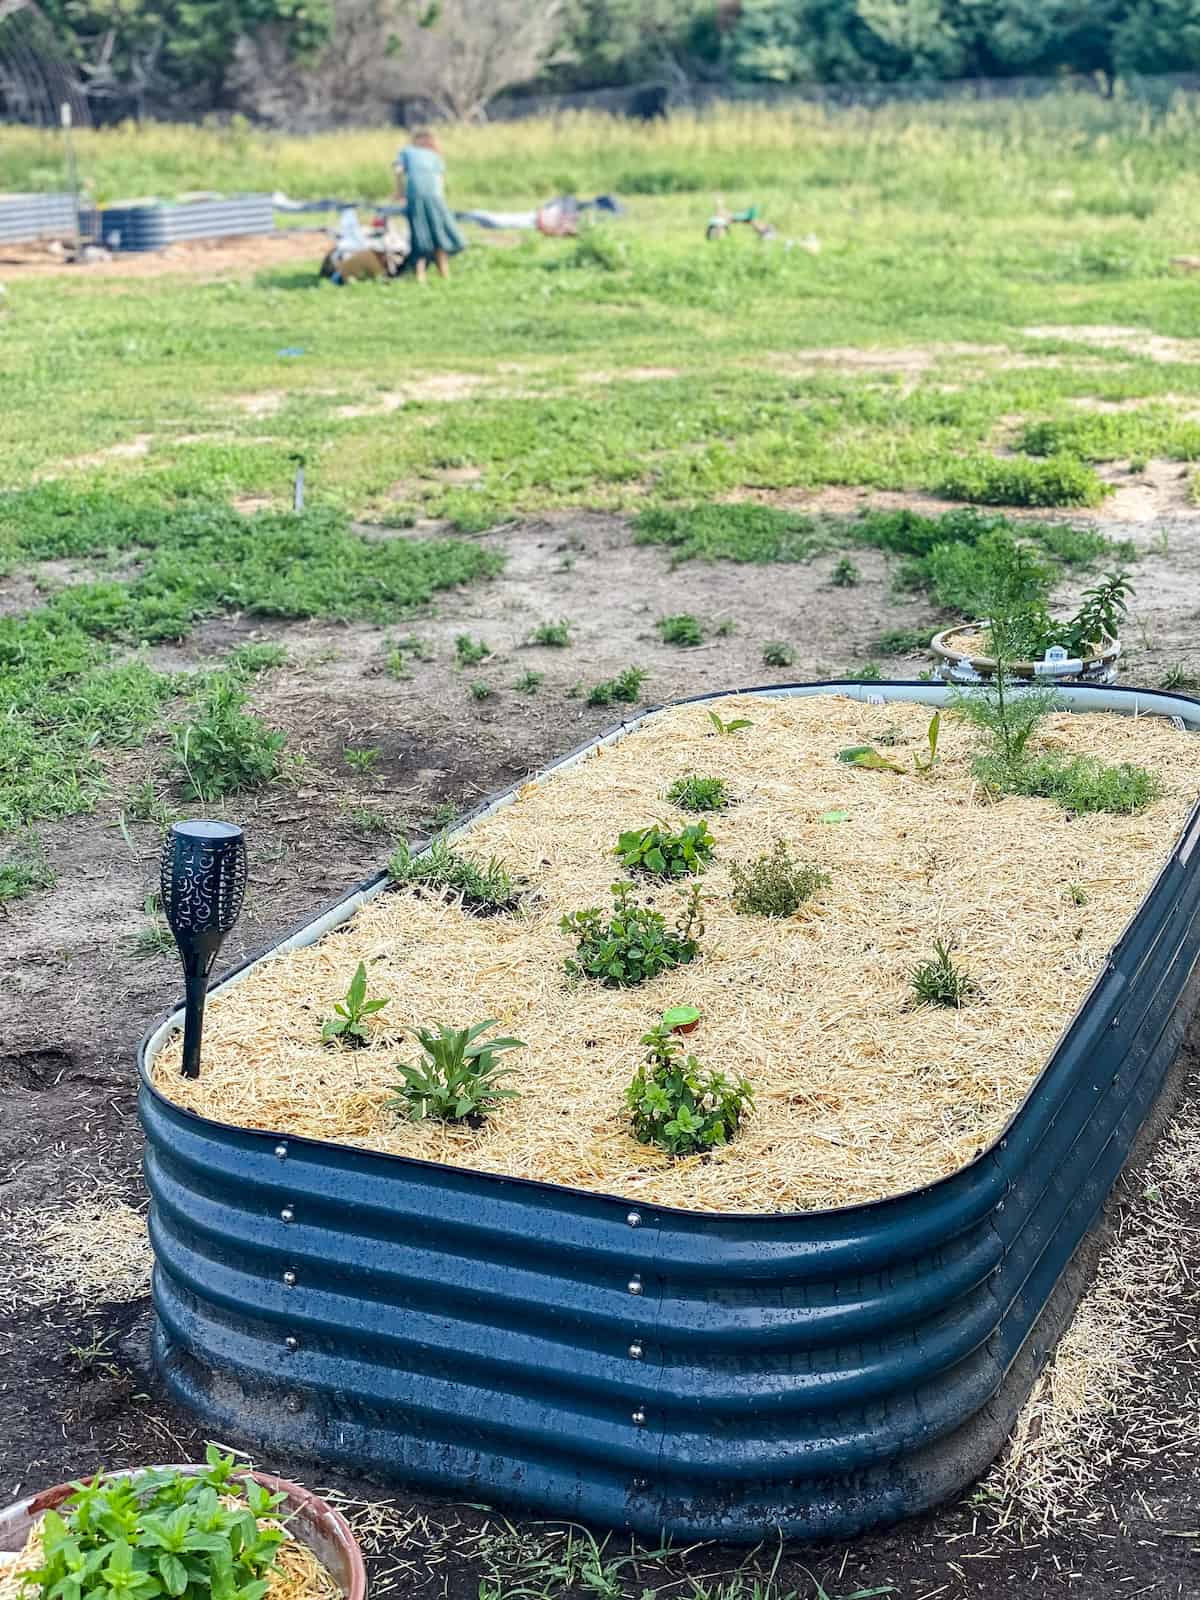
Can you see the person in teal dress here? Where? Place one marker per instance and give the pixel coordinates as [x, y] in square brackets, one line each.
[421, 184]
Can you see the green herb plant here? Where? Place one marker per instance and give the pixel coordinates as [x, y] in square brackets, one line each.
[938, 982]
[458, 1076]
[677, 1104]
[486, 890]
[161, 1535]
[774, 885]
[349, 1025]
[360, 760]
[664, 854]
[699, 794]
[625, 688]
[634, 943]
[481, 690]
[845, 574]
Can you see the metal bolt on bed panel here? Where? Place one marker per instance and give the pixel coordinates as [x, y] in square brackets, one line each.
[294, 1403]
[281, 1151]
[287, 1215]
[292, 1342]
[636, 1351]
[639, 1419]
[634, 1219]
[635, 1285]
[289, 1279]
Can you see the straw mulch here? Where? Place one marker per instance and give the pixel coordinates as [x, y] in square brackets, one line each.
[858, 1093]
[1093, 1406]
[97, 1251]
[295, 1575]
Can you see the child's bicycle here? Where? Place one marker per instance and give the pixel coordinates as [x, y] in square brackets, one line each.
[720, 223]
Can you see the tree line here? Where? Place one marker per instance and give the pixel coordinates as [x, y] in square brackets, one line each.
[323, 62]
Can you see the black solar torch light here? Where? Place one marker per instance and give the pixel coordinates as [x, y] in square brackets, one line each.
[203, 884]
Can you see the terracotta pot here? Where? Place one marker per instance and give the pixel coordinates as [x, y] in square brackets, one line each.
[310, 1520]
[960, 665]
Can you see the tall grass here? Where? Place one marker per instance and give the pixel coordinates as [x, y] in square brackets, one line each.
[1076, 153]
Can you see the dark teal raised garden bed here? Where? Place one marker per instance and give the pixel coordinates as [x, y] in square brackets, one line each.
[566, 1352]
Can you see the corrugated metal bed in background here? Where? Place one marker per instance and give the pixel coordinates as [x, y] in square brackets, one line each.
[704, 1374]
[26, 217]
[155, 224]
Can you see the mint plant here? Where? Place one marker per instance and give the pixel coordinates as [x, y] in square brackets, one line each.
[161, 1535]
[679, 1105]
[458, 1076]
[664, 854]
[349, 1025]
[635, 943]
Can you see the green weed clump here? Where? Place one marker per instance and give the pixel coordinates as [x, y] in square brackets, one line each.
[25, 871]
[845, 574]
[486, 890]
[680, 1106]
[458, 1076]
[223, 748]
[634, 944]
[552, 635]
[699, 794]
[470, 652]
[904, 641]
[1021, 481]
[740, 532]
[683, 630]
[774, 885]
[776, 653]
[625, 688]
[248, 660]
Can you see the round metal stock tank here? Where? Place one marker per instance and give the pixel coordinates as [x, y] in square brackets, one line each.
[703, 1374]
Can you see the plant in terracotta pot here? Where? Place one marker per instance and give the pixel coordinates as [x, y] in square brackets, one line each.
[206, 1532]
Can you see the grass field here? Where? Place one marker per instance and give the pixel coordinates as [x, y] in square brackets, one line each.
[514, 482]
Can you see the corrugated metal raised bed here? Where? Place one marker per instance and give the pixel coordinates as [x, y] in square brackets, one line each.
[25, 217]
[701, 1373]
[153, 225]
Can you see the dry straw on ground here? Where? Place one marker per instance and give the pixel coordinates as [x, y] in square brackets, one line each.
[97, 1251]
[858, 1094]
[1092, 1406]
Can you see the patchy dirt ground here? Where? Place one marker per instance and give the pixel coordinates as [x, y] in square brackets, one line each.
[76, 1389]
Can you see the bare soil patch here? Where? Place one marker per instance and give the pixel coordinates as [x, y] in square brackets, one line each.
[1135, 341]
[194, 258]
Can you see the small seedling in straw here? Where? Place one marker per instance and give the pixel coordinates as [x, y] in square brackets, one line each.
[735, 725]
[349, 1026]
[939, 982]
[927, 763]
[458, 1078]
